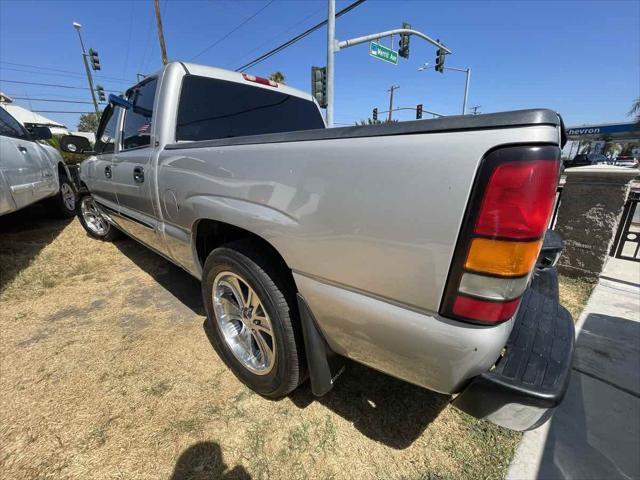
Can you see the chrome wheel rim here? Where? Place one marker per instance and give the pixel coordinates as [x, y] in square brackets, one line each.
[92, 217]
[68, 196]
[244, 323]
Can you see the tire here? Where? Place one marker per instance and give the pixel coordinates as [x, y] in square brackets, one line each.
[93, 222]
[275, 308]
[65, 202]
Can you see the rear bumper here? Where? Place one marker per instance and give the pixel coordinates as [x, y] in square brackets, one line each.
[531, 377]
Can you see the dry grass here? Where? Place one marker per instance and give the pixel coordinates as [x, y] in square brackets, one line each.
[106, 372]
[574, 294]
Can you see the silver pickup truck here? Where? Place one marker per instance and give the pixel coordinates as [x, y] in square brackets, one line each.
[413, 248]
[31, 171]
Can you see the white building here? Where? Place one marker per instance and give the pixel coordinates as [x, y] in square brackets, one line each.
[27, 117]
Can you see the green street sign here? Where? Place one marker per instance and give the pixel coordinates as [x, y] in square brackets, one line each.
[383, 53]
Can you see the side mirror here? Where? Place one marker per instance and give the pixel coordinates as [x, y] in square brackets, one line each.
[120, 102]
[75, 144]
[40, 133]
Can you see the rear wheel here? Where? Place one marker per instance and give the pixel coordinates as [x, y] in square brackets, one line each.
[93, 221]
[252, 315]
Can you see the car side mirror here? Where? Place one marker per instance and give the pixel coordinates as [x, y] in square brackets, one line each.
[40, 133]
[75, 144]
[119, 101]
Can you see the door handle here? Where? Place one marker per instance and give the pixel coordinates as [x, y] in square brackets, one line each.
[138, 174]
[22, 149]
[107, 171]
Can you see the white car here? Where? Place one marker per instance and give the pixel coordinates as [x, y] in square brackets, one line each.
[31, 171]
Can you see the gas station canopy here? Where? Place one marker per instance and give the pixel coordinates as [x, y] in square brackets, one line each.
[618, 131]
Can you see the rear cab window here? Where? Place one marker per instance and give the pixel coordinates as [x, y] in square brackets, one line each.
[210, 109]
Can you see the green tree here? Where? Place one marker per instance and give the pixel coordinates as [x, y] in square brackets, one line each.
[89, 122]
[371, 121]
[277, 77]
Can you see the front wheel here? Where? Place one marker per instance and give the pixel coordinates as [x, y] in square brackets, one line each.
[93, 221]
[252, 315]
[64, 203]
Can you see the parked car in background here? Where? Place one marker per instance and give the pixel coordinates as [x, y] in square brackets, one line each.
[31, 171]
[626, 161]
[380, 243]
[583, 159]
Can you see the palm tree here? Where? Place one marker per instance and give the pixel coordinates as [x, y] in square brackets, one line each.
[277, 77]
[635, 111]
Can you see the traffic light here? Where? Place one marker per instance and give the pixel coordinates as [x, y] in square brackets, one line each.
[403, 51]
[440, 60]
[375, 114]
[93, 58]
[319, 85]
[100, 91]
[418, 111]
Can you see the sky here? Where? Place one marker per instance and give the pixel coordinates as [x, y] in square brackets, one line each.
[580, 58]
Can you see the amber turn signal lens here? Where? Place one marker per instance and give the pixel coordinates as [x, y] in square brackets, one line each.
[499, 257]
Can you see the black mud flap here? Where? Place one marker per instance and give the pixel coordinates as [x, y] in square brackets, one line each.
[325, 366]
[551, 249]
[532, 376]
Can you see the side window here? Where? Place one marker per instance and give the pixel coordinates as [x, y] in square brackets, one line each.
[137, 120]
[10, 127]
[106, 136]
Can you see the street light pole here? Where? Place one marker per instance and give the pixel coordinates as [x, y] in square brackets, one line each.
[467, 71]
[77, 26]
[466, 91]
[331, 45]
[391, 90]
[334, 46]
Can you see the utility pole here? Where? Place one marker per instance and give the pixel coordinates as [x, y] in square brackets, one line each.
[475, 109]
[331, 45]
[77, 26]
[163, 49]
[392, 88]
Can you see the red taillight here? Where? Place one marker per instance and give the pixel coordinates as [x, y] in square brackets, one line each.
[501, 237]
[260, 80]
[483, 310]
[518, 200]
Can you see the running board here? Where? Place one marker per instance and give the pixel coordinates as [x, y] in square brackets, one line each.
[325, 365]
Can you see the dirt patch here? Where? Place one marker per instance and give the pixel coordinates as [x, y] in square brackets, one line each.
[96, 386]
[65, 313]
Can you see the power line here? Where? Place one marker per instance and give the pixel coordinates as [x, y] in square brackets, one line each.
[60, 74]
[51, 85]
[297, 38]
[142, 63]
[38, 67]
[50, 100]
[287, 30]
[244, 22]
[49, 94]
[57, 111]
[126, 58]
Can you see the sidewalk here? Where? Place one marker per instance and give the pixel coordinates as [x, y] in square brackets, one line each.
[595, 433]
